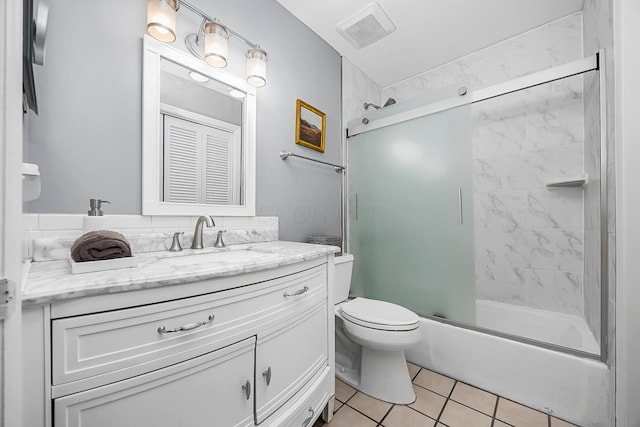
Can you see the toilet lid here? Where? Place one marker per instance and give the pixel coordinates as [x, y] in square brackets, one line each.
[379, 315]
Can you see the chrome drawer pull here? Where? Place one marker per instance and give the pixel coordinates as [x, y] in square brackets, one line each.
[267, 375]
[296, 293]
[306, 422]
[187, 327]
[247, 389]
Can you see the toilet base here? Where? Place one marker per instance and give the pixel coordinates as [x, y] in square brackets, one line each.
[385, 376]
[348, 375]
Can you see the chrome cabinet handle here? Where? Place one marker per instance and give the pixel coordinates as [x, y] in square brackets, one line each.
[247, 389]
[306, 422]
[267, 375]
[187, 327]
[296, 293]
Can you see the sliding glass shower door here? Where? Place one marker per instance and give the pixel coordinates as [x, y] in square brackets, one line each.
[410, 214]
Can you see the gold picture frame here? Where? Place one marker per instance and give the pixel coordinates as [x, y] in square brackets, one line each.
[310, 126]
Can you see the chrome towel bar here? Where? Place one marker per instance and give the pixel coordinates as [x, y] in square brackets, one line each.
[284, 155]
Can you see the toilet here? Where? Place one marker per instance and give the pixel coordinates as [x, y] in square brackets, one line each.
[371, 338]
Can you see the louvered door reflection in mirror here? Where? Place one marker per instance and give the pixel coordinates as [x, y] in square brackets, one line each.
[199, 137]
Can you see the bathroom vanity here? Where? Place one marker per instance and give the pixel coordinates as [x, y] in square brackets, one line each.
[234, 337]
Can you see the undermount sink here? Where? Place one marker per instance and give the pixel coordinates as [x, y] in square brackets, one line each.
[232, 256]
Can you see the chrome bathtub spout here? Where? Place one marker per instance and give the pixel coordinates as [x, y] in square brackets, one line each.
[197, 234]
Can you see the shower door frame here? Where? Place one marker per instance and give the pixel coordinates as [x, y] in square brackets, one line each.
[592, 63]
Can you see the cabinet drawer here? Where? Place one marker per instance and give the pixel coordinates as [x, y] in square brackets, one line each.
[308, 406]
[287, 359]
[205, 391]
[111, 346]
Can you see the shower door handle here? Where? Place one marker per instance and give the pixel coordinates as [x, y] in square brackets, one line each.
[460, 204]
[356, 206]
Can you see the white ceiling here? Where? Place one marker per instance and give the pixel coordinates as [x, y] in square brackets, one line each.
[429, 32]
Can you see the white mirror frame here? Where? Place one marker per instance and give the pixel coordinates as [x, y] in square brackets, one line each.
[152, 204]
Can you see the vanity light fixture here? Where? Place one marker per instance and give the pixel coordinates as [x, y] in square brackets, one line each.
[161, 19]
[215, 44]
[209, 42]
[257, 67]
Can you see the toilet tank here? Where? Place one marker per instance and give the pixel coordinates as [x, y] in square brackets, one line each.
[344, 265]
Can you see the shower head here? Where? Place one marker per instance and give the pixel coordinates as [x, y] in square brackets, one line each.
[369, 104]
[390, 101]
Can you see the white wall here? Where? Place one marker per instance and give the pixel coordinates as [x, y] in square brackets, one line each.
[87, 139]
[627, 129]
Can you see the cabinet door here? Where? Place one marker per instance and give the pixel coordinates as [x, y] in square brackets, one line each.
[215, 389]
[288, 357]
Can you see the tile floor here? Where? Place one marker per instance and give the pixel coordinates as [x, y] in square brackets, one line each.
[440, 402]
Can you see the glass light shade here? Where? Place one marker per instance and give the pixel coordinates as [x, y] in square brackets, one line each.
[236, 93]
[198, 77]
[257, 67]
[161, 19]
[215, 44]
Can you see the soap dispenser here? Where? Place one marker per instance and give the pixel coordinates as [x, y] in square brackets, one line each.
[95, 219]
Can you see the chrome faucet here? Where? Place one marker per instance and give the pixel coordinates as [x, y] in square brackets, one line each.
[197, 234]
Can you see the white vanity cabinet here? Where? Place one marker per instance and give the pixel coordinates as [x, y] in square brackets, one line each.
[287, 358]
[205, 391]
[254, 350]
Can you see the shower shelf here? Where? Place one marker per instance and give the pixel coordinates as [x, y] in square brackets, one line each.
[578, 181]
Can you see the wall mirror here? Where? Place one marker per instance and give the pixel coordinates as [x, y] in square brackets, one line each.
[198, 137]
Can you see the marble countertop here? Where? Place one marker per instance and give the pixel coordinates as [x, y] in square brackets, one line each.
[52, 281]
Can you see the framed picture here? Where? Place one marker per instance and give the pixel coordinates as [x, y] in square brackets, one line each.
[310, 126]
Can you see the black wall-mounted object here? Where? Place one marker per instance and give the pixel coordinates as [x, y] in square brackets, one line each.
[28, 80]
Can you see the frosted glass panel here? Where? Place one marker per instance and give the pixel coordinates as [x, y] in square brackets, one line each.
[410, 215]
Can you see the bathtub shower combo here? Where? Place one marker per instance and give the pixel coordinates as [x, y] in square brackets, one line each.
[485, 212]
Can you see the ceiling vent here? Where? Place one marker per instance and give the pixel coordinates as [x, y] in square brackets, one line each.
[367, 26]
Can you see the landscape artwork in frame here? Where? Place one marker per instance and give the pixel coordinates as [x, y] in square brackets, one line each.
[310, 126]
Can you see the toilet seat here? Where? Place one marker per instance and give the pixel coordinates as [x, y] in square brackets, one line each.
[380, 315]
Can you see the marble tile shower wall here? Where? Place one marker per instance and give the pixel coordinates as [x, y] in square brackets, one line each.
[357, 88]
[528, 239]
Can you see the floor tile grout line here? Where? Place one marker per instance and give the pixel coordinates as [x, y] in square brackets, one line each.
[393, 405]
[472, 408]
[495, 411]
[423, 414]
[428, 389]
[362, 413]
[420, 369]
[446, 401]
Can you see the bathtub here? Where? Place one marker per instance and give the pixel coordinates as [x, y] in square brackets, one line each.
[569, 387]
[541, 325]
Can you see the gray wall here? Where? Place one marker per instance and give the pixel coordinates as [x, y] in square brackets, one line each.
[87, 138]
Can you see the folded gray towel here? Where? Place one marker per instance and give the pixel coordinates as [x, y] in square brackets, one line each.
[100, 245]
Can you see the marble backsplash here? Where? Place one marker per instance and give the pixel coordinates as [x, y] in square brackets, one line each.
[49, 237]
[529, 240]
